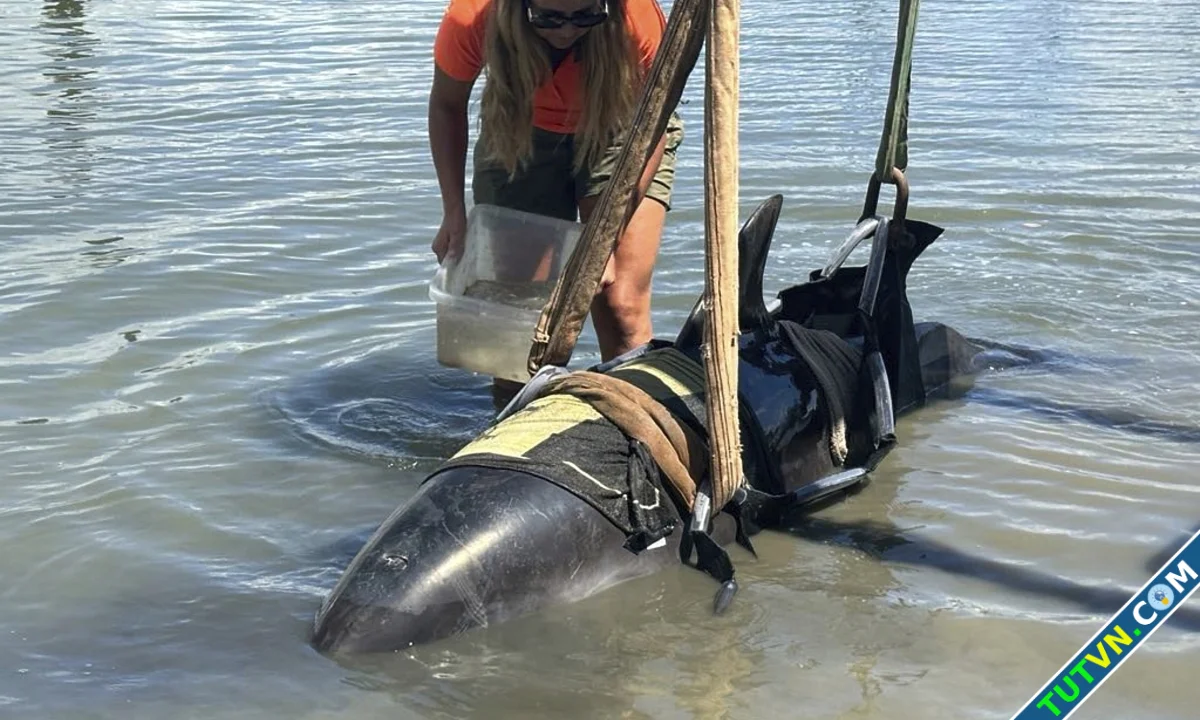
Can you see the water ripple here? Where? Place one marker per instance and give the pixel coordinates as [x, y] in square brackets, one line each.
[218, 363]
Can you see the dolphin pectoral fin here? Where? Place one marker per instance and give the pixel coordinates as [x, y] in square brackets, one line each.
[754, 246]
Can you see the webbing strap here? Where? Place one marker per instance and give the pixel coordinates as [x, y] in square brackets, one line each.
[562, 317]
[676, 450]
[679, 452]
[893, 147]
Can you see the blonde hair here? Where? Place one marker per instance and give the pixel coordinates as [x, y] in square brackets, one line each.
[518, 63]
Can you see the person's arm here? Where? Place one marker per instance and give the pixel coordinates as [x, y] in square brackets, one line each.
[448, 100]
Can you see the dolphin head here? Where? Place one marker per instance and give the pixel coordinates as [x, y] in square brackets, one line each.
[473, 547]
[407, 585]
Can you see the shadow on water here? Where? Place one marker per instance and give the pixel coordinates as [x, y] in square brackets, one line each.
[386, 408]
[1115, 418]
[1157, 560]
[891, 545]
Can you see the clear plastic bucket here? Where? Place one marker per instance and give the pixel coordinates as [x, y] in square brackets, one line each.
[489, 300]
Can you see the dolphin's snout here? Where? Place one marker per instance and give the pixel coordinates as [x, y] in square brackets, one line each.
[378, 611]
[413, 583]
[473, 547]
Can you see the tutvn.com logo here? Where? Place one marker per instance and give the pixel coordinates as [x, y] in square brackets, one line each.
[1124, 633]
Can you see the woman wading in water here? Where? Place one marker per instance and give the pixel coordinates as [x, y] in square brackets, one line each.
[562, 84]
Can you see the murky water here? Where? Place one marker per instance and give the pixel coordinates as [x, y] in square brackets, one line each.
[218, 370]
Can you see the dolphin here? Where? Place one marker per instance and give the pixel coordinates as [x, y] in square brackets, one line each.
[479, 544]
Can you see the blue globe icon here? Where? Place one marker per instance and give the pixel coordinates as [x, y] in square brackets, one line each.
[1160, 597]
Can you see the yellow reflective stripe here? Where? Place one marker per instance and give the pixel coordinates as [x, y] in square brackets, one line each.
[516, 435]
[664, 374]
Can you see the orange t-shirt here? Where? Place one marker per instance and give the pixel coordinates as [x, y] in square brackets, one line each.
[557, 104]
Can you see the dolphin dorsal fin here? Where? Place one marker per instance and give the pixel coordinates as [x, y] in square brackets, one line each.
[754, 245]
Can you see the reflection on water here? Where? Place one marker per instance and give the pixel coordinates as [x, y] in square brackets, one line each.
[196, 437]
[107, 256]
[71, 49]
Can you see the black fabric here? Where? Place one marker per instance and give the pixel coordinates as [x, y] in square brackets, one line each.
[652, 517]
[562, 440]
[596, 462]
[832, 304]
[712, 559]
[834, 365]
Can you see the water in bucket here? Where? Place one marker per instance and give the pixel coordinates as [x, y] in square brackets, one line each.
[489, 300]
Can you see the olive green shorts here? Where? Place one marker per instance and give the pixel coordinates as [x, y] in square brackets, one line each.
[548, 185]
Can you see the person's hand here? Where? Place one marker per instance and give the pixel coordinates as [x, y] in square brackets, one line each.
[450, 236]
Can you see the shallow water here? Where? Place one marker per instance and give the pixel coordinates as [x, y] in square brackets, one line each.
[218, 369]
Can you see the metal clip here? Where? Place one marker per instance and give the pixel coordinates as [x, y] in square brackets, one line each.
[871, 203]
[700, 511]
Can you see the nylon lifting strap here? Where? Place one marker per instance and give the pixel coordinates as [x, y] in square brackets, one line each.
[892, 159]
[562, 318]
[679, 452]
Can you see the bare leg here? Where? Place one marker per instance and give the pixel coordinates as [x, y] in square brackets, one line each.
[621, 309]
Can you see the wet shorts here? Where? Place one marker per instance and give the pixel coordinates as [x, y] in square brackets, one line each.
[547, 185]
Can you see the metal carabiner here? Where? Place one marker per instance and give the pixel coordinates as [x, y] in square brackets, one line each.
[871, 203]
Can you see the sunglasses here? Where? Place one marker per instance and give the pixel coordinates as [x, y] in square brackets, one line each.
[553, 19]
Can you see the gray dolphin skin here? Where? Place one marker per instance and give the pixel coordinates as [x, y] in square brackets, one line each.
[478, 545]
[475, 547]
